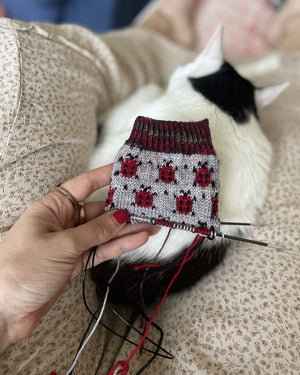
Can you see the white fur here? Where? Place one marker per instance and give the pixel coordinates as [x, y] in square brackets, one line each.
[243, 151]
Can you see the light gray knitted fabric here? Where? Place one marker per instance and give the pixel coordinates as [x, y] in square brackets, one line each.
[167, 174]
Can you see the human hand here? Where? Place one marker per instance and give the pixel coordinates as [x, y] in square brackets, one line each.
[284, 30]
[43, 251]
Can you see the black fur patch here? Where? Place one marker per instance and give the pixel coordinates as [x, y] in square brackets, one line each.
[154, 287]
[232, 93]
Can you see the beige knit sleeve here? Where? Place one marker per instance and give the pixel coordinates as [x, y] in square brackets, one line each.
[141, 56]
[127, 58]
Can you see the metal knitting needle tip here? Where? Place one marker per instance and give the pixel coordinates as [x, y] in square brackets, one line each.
[289, 251]
[243, 224]
[259, 243]
[281, 248]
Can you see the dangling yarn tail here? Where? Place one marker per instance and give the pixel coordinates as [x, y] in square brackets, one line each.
[122, 367]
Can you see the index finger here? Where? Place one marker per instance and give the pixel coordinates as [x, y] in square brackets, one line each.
[86, 183]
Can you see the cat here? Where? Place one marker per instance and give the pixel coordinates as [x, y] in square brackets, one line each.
[207, 88]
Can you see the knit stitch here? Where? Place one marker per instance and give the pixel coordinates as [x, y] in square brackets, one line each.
[167, 174]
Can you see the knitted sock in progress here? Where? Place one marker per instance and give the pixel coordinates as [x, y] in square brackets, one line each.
[167, 174]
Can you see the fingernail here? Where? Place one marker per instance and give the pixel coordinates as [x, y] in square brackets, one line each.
[121, 216]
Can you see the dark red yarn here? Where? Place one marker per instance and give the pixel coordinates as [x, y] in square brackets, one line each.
[137, 268]
[125, 364]
[167, 136]
[124, 368]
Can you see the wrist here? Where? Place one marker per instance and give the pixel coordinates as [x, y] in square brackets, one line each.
[11, 327]
[14, 327]
[9, 323]
[6, 322]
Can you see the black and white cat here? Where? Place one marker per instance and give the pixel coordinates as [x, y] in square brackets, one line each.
[208, 88]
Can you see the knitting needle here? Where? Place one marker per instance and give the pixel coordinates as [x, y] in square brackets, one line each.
[260, 243]
[244, 224]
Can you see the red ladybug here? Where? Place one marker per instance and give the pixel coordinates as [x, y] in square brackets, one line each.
[202, 177]
[110, 198]
[184, 204]
[128, 168]
[167, 174]
[214, 209]
[144, 198]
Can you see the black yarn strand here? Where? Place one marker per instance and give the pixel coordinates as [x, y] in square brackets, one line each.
[93, 253]
[168, 356]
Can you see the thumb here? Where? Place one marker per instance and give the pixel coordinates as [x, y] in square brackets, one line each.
[97, 231]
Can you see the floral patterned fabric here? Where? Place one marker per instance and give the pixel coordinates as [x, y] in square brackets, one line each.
[244, 317]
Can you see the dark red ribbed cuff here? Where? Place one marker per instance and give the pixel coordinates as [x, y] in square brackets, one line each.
[174, 137]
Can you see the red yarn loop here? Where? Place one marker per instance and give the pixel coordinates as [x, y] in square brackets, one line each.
[124, 368]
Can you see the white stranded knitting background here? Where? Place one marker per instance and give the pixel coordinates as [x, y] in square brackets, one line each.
[207, 88]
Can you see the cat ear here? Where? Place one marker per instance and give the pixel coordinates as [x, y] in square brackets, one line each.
[214, 47]
[264, 96]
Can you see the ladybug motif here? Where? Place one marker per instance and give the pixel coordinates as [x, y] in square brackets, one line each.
[167, 173]
[109, 201]
[184, 203]
[202, 177]
[214, 209]
[144, 198]
[128, 168]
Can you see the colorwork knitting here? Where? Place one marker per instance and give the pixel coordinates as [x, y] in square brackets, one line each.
[167, 174]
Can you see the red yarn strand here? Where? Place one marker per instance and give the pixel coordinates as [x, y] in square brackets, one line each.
[125, 368]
